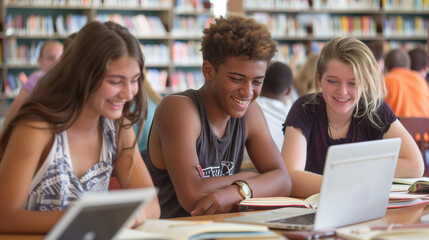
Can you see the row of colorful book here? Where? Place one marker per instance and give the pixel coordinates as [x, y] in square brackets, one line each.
[315, 4]
[156, 54]
[402, 5]
[186, 53]
[281, 24]
[26, 53]
[190, 25]
[157, 78]
[139, 25]
[107, 3]
[36, 25]
[291, 25]
[287, 4]
[417, 5]
[358, 26]
[346, 4]
[180, 80]
[326, 25]
[136, 3]
[22, 53]
[189, 5]
[57, 2]
[405, 26]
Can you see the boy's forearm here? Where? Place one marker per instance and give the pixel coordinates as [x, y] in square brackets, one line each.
[274, 183]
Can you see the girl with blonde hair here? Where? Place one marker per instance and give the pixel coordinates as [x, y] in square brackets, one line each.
[348, 106]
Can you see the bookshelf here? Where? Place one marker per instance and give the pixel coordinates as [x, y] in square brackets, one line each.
[171, 49]
[298, 24]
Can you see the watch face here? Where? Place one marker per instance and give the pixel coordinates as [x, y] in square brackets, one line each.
[246, 190]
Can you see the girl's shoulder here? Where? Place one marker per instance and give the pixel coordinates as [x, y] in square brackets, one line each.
[310, 103]
[34, 126]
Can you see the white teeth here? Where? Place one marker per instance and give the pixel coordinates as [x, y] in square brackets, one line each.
[116, 103]
[240, 101]
[342, 100]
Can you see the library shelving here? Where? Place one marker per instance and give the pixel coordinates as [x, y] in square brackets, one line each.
[169, 32]
[306, 24]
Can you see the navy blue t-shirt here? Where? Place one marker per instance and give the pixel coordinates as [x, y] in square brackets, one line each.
[312, 120]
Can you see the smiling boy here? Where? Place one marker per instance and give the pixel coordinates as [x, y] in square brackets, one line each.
[197, 137]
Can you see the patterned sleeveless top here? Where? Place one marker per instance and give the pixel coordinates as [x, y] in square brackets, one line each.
[56, 187]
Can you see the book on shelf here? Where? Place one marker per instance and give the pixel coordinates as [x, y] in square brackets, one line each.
[264, 203]
[394, 26]
[175, 229]
[181, 80]
[157, 79]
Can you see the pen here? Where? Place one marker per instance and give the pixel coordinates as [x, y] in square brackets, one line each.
[189, 223]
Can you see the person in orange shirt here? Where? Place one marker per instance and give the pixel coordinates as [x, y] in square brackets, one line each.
[407, 91]
[419, 61]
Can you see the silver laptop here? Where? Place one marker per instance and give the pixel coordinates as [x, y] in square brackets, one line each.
[100, 215]
[355, 188]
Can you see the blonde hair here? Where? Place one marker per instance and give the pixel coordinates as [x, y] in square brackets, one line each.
[150, 93]
[366, 70]
[304, 78]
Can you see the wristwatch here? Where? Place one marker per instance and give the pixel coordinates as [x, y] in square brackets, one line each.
[245, 191]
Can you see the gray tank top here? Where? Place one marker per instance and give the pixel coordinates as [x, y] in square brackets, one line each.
[217, 156]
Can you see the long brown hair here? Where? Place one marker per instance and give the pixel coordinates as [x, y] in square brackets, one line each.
[62, 93]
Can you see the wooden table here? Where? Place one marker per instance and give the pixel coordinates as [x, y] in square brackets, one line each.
[405, 215]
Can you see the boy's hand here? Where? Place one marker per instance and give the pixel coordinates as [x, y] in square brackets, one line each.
[219, 201]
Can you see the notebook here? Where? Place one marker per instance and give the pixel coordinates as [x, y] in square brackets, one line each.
[100, 215]
[355, 188]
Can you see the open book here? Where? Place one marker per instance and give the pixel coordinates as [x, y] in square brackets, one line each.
[409, 181]
[254, 204]
[416, 185]
[175, 229]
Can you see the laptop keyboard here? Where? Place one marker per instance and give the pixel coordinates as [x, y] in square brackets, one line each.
[305, 219]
